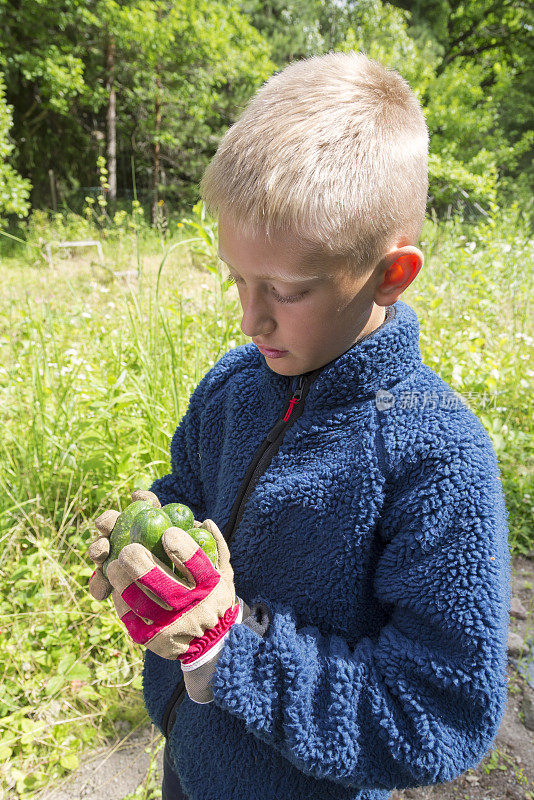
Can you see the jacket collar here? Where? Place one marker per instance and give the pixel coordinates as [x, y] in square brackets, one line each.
[378, 361]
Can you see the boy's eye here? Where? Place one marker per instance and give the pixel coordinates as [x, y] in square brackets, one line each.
[292, 298]
[279, 297]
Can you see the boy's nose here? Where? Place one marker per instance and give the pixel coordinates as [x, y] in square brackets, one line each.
[256, 320]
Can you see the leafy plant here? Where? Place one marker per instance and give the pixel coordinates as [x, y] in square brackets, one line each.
[14, 190]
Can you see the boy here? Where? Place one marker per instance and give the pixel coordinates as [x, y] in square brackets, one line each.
[367, 533]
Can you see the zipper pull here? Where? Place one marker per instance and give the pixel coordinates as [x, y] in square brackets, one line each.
[295, 399]
[280, 425]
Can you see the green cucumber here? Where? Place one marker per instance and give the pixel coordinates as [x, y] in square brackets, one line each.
[205, 540]
[180, 516]
[148, 528]
[120, 535]
[141, 522]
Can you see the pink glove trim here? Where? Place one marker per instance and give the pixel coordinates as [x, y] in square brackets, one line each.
[197, 647]
[140, 631]
[171, 591]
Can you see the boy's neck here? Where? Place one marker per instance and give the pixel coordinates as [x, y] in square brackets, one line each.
[376, 318]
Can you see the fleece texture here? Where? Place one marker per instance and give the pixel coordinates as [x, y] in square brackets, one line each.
[377, 539]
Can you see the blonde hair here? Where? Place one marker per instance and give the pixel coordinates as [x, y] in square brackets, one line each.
[334, 149]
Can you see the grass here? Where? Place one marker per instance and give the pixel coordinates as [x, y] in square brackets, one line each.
[94, 376]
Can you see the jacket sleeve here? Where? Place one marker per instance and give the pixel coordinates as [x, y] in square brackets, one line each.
[184, 483]
[421, 703]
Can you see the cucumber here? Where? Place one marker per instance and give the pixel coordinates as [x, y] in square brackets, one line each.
[147, 528]
[141, 522]
[120, 535]
[205, 540]
[180, 516]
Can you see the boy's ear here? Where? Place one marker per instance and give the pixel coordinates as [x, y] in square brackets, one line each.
[396, 272]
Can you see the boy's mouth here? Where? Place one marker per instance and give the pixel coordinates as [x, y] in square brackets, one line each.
[270, 352]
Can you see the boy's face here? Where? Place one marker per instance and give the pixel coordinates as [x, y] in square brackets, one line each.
[312, 313]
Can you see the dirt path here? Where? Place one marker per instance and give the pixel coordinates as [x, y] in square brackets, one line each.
[114, 772]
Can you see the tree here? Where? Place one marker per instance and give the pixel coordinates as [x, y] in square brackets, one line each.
[490, 42]
[295, 29]
[161, 80]
[78, 72]
[200, 62]
[44, 77]
[461, 62]
[467, 30]
[14, 190]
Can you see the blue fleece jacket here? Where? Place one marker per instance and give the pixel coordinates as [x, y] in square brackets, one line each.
[377, 539]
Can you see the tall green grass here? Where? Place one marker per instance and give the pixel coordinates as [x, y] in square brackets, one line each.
[474, 299]
[94, 377]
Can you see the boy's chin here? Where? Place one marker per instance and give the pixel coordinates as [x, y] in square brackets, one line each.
[288, 366]
[275, 366]
[283, 366]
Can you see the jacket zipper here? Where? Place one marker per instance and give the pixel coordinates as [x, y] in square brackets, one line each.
[262, 458]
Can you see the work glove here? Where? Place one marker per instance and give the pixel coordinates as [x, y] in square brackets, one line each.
[99, 585]
[185, 615]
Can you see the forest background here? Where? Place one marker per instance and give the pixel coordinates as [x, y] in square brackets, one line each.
[109, 112]
[160, 82]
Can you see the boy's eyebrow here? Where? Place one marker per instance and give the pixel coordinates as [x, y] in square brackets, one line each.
[282, 278]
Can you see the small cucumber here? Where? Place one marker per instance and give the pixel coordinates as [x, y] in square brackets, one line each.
[120, 535]
[205, 540]
[141, 522]
[147, 528]
[180, 516]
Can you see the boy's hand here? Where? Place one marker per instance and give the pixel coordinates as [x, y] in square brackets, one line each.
[99, 586]
[175, 620]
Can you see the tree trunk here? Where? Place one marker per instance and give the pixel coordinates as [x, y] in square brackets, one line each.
[157, 163]
[52, 178]
[111, 124]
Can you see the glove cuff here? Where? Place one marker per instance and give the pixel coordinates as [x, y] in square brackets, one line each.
[205, 647]
[198, 675]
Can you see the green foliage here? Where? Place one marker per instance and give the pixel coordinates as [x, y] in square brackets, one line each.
[513, 140]
[484, 70]
[449, 178]
[14, 190]
[458, 112]
[471, 30]
[198, 60]
[469, 64]
[459, 115]
[199, 51]
[381, 31]
[198, 63]
[46, 71]
[294, 29]
[59, 75]
[475, 297]
[98, 214]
